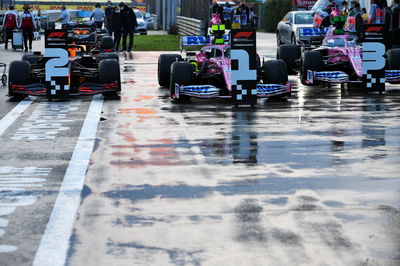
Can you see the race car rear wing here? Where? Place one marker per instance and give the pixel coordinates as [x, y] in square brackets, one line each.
[199, 41]
[312, 32]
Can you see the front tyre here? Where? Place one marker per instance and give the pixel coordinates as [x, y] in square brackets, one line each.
[275, 72]
[164, 68]
[290, 54]
[181, 74]
[109, 72]
[310, 60]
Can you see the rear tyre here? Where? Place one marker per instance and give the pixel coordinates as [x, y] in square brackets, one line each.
[19, 72]
[290, 54]
[182, 74]
[275, 72]
[109, 72]
[164, 68]
[393, 57]
[393, 60]
[310, 60]
[107, 42]
[31, 58]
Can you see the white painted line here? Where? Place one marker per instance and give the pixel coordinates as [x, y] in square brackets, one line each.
[13, 115]
[54, 245]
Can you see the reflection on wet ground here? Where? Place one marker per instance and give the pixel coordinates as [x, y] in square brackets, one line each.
[310, 180]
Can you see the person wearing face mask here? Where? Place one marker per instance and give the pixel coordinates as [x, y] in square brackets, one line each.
[64, 17]
[354, 21]
[109, 11]
[129, 24]
[28, 25]
[116, 26]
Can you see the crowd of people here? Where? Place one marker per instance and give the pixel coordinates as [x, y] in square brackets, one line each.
[356, 17]
[235, 17]
[119, 20]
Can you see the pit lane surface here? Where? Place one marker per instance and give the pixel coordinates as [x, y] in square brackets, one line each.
[310, 180]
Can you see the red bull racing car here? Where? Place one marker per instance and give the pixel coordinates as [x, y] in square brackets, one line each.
[90, 71]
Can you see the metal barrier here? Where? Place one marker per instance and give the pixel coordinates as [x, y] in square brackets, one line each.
[190, 26]
[156, 22]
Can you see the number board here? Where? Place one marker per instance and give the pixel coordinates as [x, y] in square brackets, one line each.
[244, 67]
[56, 68]
[373, 61]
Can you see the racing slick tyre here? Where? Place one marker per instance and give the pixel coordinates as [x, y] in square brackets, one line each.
[109, 73]
[275, 72]
[164, 68]
[393, 60]
[19, 74]
[107, 42]
[290, 54]
[310, 60]
[182, 74]
[103, 56]
[31, 58]
[393, 57]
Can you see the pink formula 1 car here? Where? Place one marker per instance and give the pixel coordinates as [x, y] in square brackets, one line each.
[207, 73]
[337, 60]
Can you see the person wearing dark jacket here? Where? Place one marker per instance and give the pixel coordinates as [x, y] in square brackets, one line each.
[109, 12]
[244, 15]
[116, 26]
[129, 24]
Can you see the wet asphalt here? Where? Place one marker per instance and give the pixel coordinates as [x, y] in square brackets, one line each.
[308, 180]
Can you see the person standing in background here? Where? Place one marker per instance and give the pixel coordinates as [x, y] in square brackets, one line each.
[108, 12]
[28, 25]
[228, 15]
[396, 24]
[64, 17]
[345, 10]
[98, 16]
[244, 15]
[364, 15]
[129, 25]
[236, 19]
[10, 23]
[116, 26]
[377, 13]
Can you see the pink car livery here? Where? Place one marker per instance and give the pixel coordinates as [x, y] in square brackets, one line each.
[207, 73]
[337, 60]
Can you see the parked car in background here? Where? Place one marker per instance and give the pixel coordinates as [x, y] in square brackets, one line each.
[142, 25]
[1, 27]
[288, 29]
[149, 20]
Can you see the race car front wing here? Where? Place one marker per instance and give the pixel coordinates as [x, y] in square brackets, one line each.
[40, 89]
[342, 77]
[209, 91]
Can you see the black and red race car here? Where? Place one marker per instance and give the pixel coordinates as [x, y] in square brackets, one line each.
[90, 70]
